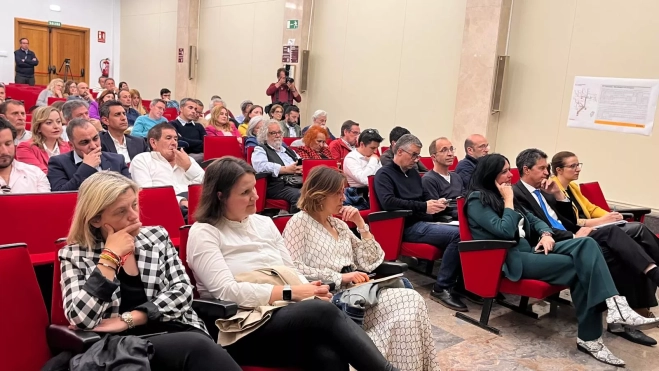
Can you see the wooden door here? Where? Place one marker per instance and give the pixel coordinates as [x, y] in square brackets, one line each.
[39, 38]
[69, 44]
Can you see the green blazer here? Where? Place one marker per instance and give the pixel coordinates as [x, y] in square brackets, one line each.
[485, 224]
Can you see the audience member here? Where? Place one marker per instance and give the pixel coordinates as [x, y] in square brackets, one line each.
[200, 111]
[77, 109]
[190, 131]
[105, 96]
[348, 142]
[114, 139]
[166, 95]
[46, 139]
[254, 110]
[272, 157]
[323, 247]
[290, 125]
[14, 112]
[276, 112]
[54, 89]
[70, 89]
[476, 146]
[215, 101]
[25, 61]
[315, 145]
[3, 93]
[219, 124]
[124, 279]
[110, 85]
[67, 171]
[126, 101]
[244, 109]
[144, 123]
[388, 155]
[253, 129]
[363, 161]
[227, 244]
[166, 165]
[123, 86]
[319, 118]
[101, 84]
[284, 90]
[492, 214]
[136, 102]
[440, 183]
[16, 176]
[84, 94]
[399, 187]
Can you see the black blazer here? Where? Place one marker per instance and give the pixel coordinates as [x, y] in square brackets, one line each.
[564, 211]
[65, 175]
[136, 145]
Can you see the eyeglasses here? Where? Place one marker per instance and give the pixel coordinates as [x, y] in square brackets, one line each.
[449, 149]
[574, 166]
[275, 132]
[413, 154]
[354, 133]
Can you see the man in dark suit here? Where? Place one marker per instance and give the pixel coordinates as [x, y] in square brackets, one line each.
[113, 115]
[25, 60]
[626, 260]
[66, 172]
[190, 131]
[476, 146]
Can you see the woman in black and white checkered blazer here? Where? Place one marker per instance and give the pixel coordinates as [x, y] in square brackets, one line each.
[119, 277]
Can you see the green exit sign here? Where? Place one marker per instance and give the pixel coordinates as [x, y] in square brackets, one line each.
[57, 24]
[292, 24]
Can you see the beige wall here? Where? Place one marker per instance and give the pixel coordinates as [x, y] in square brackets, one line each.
[240, 45]
[148, 45]
[385, 63]
[550, 44]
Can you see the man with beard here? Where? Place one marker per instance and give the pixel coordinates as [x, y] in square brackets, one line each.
[291, 125]
[17, 177]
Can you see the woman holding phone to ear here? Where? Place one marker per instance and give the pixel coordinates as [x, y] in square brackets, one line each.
[577, 263]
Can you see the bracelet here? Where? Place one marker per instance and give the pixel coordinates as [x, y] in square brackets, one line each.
[115, 269]
[111, 253]
[111, 259]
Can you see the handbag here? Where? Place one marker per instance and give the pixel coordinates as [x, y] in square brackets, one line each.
[294, 181]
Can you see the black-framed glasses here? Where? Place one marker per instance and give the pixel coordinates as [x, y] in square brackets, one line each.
[413, 154]
[275, 132]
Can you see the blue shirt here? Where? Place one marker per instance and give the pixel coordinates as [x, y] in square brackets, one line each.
[143, 124]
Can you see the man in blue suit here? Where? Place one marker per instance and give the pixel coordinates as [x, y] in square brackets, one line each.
[66, 172]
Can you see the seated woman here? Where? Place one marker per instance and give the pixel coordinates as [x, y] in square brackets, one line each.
[276, 112]
[121, 278]
[324, 248]
[46, 139]
[643, 250]
[70, 89]
[577, 263]
[219, 124]
[228, 239]
[255, 124]
[136, 101]
[315, 144]
[54, 89]
[104, 96]
[254, 111]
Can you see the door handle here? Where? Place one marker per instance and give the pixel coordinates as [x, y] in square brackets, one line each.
[82, 72]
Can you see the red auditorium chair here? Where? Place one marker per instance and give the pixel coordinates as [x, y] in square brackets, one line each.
[146, 104]
[264, 203]
[515, 175]
[194, 194]
[454, 164]
[289, 141]
[158, 206]
[248, 155]
[593, 192]
[217, 147]
[52, 100]
[307, 165]
[21, 221]
[427, 162]
[383, 149]
[482, 261]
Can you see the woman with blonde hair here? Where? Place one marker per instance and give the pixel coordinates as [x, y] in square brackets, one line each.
[136, 101]
[46, 139]
[70, 89]
[124, 279]
[219, 124]
[54, 89]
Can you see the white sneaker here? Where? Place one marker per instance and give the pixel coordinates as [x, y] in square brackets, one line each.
[620, 314]
[599, 351]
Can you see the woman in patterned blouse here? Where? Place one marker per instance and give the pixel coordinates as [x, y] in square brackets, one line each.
[315, 144]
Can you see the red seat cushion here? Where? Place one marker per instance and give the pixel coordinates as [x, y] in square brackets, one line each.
[43, 258]
[421, 250]
[531, 288]
[276, 204]
[158, 206]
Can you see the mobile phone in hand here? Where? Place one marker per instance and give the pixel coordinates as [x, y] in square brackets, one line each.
[299, 162]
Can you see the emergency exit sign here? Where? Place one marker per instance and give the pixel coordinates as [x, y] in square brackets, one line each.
[292, 24]
[59, 24]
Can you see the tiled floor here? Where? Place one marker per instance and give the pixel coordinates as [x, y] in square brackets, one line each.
[525, 344]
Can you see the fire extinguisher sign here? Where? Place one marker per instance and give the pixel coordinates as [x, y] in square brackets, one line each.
[180, 55]
[101, 37]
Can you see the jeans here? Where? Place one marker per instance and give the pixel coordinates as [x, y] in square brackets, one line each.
[444, 237]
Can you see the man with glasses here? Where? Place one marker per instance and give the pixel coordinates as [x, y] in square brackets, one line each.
[348, 141]
[363, 161]
[399, 187]
[273, 157]
[476, 146]
[388, 155]
[440, 183]
[17, 177]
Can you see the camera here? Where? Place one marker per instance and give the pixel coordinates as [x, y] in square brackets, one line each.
[67, 60]
[290, 80]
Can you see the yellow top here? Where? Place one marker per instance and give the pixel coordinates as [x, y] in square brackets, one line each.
[589, 209]
[242, 129]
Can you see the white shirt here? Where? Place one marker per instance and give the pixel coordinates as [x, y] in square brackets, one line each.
[54, 152]
[122, 149]
[358, 168]
[150, 169]
[26, 178]
[27, 135]
[216, 253]
[551, 211]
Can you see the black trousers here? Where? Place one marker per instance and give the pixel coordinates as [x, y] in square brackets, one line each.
[20, 79]
[312, 335]
[189, 351]
[280, 191]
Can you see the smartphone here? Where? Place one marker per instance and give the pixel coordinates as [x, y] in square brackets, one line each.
[372, 275]
[540, 250]
[299, 162]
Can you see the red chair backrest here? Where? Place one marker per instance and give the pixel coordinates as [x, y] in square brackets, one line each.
[158, 206]
[515, 172]
[388, 233]
[288, 141]
[261, 188]
[171, 111]
[593, 192]
[307, 165]
[194, 194]
[169, 116]
[217, 147]
[57, 316]
[427, 162]
[146, 104]
[23, 316]
[248, 155]
[372, 197]
[52, 100]
[184, 232]
[280, 221]
[454, 164]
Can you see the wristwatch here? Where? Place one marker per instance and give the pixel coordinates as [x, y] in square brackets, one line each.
[366, 229]
[128, 318]
[287, 293]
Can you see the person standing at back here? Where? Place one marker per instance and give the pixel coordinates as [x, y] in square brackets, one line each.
[284, 90]
[25, 60]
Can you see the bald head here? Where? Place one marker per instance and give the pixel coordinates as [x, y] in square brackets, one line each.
[476, 146]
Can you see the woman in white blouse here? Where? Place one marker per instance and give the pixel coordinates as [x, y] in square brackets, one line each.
[323, 247]
[228, 239]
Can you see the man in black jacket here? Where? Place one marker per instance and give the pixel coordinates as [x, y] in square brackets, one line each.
[25, 63]
[476, 146]
[190, 131]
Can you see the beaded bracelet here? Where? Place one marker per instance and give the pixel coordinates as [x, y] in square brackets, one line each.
[115, 269]
[110, 259]
[111, 253]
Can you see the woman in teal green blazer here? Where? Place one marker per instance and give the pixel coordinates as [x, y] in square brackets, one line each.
[577, 263]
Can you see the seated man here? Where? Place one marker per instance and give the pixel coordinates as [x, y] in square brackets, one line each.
[440, 183]
[348, 141]
[126, 100]
[85, 94]
[144, 123]
[476, 146]
[398, 187]
[363, 161]
[319, 118]
[290, 125]
[114, 140]
[66, 172]
[388, 155]
[244, 109]
[14, 112]
[190, 131]
[166, 95]
[166, 166]
[77, 109]
[17, 177]
[271, 157]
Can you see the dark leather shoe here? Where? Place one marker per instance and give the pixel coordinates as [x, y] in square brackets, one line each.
[635, 336]
[468, 295]
[445, 298]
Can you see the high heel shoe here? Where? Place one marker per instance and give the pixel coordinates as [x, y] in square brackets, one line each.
[599, 351]
[620, 314]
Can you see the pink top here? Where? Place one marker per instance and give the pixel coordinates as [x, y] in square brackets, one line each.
[215, 132]
[31, 154]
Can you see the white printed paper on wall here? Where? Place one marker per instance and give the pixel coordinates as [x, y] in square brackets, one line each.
[614, 104]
